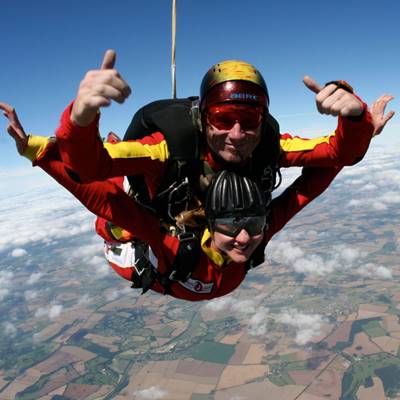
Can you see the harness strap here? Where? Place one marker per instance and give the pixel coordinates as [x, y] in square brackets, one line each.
[145, 274]
[185, 261]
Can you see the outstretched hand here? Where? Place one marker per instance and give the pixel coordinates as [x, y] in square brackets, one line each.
[334, 100]
[15, 128]
[97, 89]
[377, 111]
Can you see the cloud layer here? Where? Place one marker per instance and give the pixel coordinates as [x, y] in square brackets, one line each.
[152, 393]
[308, 326]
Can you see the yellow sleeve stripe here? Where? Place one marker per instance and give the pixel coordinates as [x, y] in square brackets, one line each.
[299, 144]
[35, 147]
[157, 151]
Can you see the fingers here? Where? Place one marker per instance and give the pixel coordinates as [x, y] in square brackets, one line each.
[381, 102]
[333, 100]
[6, 108]
[330, 100]
[14, 128]
[109, 59]
[106, 83]
[312, 84]
[377, 111]
[98, 89]
[10, 113]
[389, 116]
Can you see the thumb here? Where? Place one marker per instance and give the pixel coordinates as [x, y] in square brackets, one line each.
[311, 84]
[109, 60]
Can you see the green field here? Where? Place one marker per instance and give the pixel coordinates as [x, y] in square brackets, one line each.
[211, 352]
[383, 365]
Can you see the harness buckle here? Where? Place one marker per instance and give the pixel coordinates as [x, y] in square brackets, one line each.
[174, 278]
[179, 194]
[186, 236]
[141, 261]
[141, 265]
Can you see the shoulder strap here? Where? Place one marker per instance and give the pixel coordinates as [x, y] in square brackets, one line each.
[265, 161]
[174, 119]
[185, 261]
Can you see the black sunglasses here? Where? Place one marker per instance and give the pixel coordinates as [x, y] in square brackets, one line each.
[231, 226]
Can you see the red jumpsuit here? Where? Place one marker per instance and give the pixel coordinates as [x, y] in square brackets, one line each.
[83, 152]
[214, 276]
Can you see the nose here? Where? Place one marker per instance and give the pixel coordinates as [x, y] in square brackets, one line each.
[242, 237]
[236, 132]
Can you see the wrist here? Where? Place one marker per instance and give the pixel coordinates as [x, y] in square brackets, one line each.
[82, 117]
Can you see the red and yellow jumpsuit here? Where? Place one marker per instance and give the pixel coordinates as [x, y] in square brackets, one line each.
[214, 275]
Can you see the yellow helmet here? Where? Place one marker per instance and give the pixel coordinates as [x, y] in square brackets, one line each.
[233, 81]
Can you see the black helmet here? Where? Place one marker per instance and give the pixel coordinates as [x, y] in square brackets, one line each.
[230, 194]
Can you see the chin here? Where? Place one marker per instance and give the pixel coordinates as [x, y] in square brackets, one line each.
[231, 158]
[238, 258]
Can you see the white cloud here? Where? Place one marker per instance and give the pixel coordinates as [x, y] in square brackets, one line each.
[379, 206]
[112, 295]
[356, 202]
[6, 281]
[283, 252]
[51, 312]
[347, 254]
[33, 278]
[391, 197]
[53, 214]
[308, 325]
[152, 393]
[85, 299]
[9, 328]
[340, 258]
[19, 253]
[30, 295]
[378, 174]
[258, 323]
[244, 306]
[375, 271]
[101, 265]
[231, 304]
[369, 186]
[220, 304]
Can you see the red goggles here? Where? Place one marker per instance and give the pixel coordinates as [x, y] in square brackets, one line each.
[225, 116]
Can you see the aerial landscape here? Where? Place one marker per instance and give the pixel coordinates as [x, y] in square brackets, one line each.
[319, 319]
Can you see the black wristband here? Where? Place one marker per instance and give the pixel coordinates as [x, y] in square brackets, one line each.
[341, 85]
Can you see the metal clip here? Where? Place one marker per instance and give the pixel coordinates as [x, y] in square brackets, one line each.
[174, 278]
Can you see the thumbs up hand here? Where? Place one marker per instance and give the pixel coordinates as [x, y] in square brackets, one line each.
[97, 89]
[334, 100]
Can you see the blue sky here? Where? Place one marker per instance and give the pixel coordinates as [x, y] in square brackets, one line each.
[47, 46]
